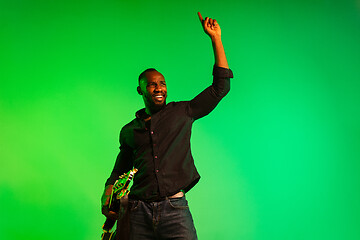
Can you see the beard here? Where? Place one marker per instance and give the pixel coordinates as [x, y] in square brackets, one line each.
[158, 106]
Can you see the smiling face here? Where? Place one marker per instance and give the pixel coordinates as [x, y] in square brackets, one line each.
[153, 89]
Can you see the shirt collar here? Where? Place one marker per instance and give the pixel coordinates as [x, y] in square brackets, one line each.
[141, 114]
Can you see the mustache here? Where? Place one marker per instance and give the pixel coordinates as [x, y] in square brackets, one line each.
[159, 93]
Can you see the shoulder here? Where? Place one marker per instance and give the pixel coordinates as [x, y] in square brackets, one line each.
[135, 122]
[177, 104]
[126, 131]
[177, 109]
[129, 126]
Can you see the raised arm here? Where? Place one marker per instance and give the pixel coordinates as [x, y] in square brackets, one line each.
[207, 100]
[212, 28]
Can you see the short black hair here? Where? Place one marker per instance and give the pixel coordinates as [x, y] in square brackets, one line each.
[142, 75]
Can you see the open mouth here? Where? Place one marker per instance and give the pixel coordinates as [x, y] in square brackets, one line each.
[159, 97]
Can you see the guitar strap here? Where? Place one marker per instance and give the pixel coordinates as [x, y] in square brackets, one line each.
[123, 223]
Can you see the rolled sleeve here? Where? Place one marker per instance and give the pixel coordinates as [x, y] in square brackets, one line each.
[221, 72]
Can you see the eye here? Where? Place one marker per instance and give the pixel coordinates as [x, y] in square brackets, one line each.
[163, 83]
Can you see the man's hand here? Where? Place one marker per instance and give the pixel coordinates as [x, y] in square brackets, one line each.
[105, 199]
[210, 26]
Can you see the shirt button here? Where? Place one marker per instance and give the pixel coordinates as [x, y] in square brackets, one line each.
[157, 170]
[155, 156]
[152, 132]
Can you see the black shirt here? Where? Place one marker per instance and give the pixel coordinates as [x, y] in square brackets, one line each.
[160, 148]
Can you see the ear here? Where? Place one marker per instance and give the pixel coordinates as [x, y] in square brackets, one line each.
[139, 90]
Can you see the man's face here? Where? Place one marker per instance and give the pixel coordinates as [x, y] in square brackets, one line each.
[153, 89]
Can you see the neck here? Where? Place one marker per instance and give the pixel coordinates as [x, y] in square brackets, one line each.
[152, 110]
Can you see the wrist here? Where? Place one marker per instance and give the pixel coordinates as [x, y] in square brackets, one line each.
[216, 38]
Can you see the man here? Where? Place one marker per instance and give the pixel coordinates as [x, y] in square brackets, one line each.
[157, 143]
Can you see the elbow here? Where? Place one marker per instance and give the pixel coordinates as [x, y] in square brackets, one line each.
[222, 91]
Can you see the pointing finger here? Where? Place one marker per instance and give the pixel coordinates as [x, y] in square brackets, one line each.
[200, 17]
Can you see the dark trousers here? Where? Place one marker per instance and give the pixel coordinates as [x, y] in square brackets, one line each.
[164, 220]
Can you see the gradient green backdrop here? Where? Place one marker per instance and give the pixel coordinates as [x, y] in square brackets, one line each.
[279, 157]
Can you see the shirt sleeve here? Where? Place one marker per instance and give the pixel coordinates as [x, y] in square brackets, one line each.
[208, 99]
[123, 162]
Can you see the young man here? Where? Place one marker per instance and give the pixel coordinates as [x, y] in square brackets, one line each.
[157, 143]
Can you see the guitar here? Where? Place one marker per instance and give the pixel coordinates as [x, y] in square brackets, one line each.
[119, 190]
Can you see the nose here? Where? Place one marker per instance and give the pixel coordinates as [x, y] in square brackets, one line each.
[158, 88]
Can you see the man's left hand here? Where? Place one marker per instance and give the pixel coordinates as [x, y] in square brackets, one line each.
[210, 26]
[105, 199]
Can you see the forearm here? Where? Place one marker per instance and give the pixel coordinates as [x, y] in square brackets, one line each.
[219, 52]
[106, 195]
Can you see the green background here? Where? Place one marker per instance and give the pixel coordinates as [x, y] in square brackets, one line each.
[279, 157]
